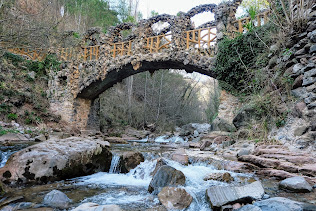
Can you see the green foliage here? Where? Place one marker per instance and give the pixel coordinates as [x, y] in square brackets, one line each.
[236, 57]
[15, 59]
[31, 118]
[255, 4]
[76, 35]
[40, 67]
[6, 131]
[12, 116]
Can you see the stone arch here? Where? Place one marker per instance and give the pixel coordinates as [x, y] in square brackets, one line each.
[200, 9]
[114, 34]
[85, 104]
[146, 25]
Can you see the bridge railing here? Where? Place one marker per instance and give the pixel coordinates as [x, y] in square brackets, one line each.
[203, 39]
[240, 24]
[157, 43]
[32, 54]
[122, 48]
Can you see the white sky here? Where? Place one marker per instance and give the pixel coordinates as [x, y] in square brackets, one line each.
[172, 7]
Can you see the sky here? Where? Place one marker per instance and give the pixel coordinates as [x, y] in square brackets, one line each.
[172, 7]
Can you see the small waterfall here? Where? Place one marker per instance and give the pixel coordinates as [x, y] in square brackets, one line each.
[115, 165]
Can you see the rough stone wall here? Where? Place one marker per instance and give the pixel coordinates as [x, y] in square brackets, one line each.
[74, 89]
[301, 63]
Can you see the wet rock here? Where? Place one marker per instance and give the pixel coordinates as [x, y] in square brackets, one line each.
[282, 204]
[219, 196]
[222, 177]
[296, 184]
[166, 176]
[180, 156]
[130, 160]
[160, 162]
[175, 198]
[57, 160]
[57, 199]
[95, 207]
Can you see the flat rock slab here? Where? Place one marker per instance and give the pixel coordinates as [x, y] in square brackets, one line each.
[223, 195]
[296, 184]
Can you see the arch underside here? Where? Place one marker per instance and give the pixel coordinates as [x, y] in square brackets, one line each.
[114, 76]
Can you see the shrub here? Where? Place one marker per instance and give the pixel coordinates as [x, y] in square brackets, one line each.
[237, 57]
[12, 116]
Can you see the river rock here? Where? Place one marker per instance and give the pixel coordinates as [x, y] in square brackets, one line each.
[130, 160]
[283, 204]
[166, 176]
[180, 156]
[249, 207]
[296, 184]
[95, 207]
[222, 177]
[175, 198]
[57, 160]
[219, 196]
[57, 199]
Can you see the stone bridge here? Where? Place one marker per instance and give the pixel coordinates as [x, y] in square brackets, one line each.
[103, 60]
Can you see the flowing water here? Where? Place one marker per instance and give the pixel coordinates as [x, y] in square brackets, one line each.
[115, 167]
[7, 151]
[129, 191]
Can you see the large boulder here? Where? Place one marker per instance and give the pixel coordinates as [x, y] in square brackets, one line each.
[219, 196]
[245, 116]
[57, 160]
[57, 199]
[166, 176]
[95, 207]
[220, 124]
[175, 198]
[296, 184]
[129, 160]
